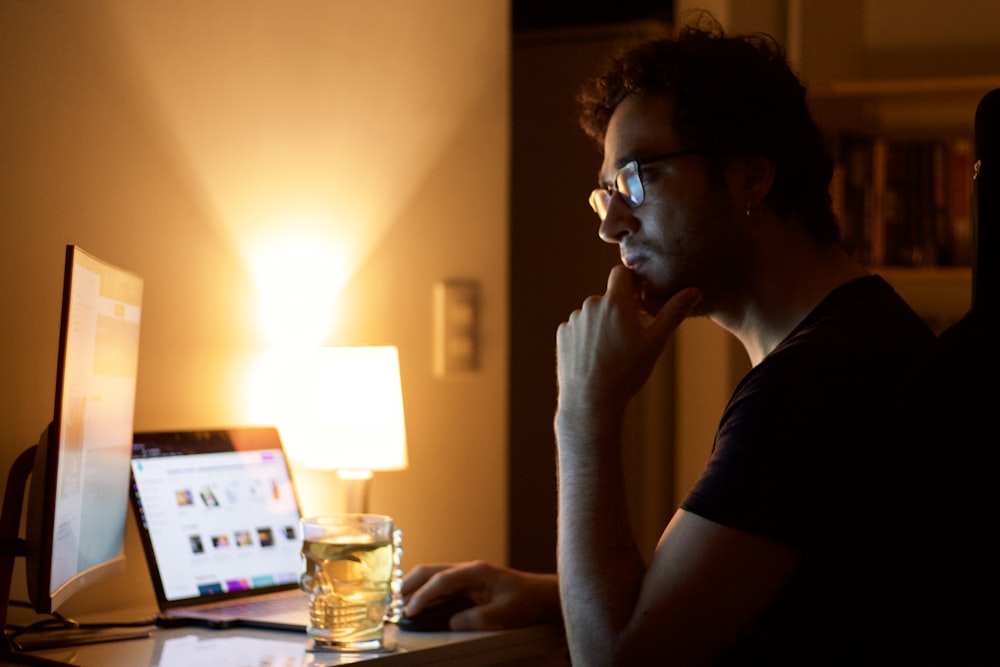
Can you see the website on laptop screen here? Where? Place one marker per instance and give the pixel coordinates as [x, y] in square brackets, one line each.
[219, 522]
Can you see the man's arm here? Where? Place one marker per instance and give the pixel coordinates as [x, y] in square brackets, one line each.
[702, 589]
[706, 582]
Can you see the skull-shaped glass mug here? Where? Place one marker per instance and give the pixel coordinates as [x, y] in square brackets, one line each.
[352, 575]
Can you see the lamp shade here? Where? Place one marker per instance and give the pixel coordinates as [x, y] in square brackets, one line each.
[357, 420]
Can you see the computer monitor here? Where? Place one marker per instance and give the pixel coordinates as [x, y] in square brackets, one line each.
[78, 504]
[79, 492]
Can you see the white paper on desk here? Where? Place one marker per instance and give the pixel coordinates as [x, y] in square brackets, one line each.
[193, 651]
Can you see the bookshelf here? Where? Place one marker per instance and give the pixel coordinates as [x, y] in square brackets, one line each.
[903, 184]
[905, 108]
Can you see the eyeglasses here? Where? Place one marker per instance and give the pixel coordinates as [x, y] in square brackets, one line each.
[628, 183]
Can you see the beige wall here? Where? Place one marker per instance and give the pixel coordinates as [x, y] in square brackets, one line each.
[225, 150]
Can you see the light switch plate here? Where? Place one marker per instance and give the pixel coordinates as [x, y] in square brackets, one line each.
[456, 327]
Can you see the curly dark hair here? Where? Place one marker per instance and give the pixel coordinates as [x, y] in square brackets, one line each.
[733, 95]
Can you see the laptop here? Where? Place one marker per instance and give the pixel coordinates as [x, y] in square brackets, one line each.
[220, 525]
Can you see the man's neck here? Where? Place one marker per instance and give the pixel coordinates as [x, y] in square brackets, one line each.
[786, 286]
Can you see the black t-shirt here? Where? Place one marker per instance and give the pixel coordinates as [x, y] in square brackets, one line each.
[799, 458]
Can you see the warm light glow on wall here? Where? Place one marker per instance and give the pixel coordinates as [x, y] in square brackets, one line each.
[273, 397]
[286, 156]
[298, 280]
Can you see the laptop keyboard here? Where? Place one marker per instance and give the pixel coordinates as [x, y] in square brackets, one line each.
[262, 606]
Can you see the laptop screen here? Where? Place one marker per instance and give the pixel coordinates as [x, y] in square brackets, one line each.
[217, 512]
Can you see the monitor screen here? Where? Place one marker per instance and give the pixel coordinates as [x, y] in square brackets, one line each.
[78, 503]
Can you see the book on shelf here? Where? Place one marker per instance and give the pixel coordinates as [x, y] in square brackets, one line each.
[904, 202]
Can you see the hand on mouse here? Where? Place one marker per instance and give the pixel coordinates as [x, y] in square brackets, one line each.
[436, 616]
[503, 597]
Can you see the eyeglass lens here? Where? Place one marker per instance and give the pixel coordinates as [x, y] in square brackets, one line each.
[627, 183]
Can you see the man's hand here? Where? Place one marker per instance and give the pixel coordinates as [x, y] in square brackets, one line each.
[607, 349]
[504, 598]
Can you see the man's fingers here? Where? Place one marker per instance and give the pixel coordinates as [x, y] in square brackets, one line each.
[419, 575]
[446, 580]
[621, 280]
[673, 312]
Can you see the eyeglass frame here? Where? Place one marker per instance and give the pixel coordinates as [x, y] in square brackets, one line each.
[600, 197]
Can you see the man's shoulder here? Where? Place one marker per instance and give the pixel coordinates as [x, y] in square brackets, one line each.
[863, 316]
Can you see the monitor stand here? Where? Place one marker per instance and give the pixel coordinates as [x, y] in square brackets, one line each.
[13, 546]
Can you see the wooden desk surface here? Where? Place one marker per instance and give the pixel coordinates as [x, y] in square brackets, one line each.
[198, 647]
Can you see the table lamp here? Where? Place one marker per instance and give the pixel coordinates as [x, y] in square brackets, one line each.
[357, 418]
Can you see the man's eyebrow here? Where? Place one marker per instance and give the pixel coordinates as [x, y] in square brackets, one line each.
[622, 161]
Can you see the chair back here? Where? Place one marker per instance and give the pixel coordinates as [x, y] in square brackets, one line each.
[948, 457]
[986, 189]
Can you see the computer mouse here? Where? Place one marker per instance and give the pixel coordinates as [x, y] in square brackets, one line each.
[435, 616]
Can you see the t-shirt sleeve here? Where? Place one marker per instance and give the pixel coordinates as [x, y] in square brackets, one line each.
[780, 450]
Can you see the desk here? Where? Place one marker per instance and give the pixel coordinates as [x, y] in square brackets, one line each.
[198, 647]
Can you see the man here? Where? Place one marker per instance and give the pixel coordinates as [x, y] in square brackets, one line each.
[714, 185]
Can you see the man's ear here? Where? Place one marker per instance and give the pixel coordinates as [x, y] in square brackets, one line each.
[758, 175]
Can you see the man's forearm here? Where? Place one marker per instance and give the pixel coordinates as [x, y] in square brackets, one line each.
[600, 568]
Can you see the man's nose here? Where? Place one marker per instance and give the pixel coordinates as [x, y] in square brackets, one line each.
[619, 222]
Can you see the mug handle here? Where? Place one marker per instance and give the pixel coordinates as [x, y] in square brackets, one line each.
[394, 610]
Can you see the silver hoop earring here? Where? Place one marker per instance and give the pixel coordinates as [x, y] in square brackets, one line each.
[748, 209]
